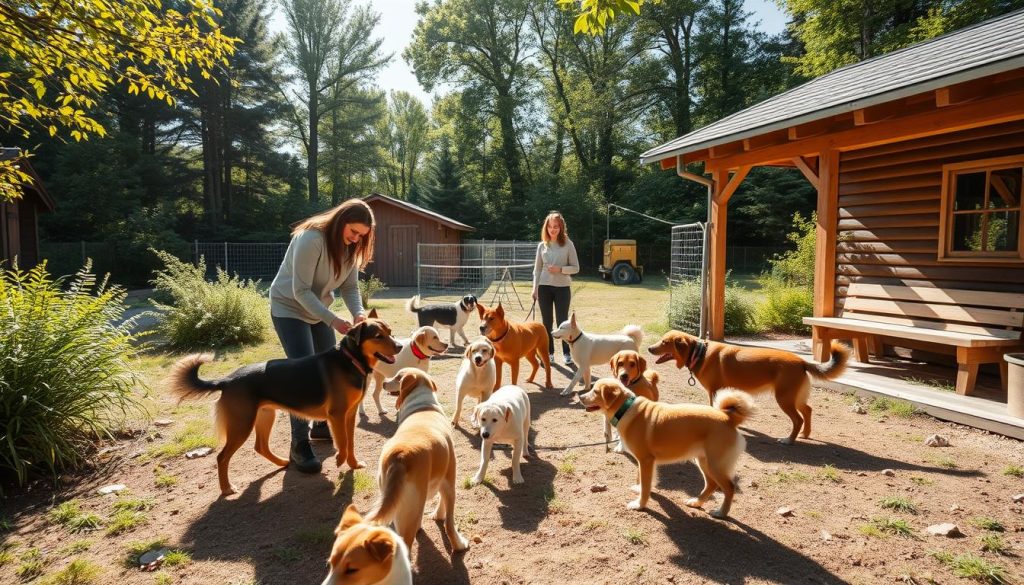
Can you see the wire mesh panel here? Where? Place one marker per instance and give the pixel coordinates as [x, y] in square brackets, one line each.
[255, 260]
[686, 279]
[492, 270]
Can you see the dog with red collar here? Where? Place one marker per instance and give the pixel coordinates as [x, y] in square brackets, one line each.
[423, 344]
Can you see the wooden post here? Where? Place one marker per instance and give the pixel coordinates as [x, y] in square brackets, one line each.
[825, 245]
[723, 191]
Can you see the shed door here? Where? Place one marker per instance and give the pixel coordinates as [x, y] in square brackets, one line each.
[402, 240]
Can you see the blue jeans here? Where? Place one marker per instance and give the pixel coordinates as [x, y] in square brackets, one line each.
[301, 339]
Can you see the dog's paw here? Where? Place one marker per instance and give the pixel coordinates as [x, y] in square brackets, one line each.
[718, 513]
[460, 544]
[477, 480]
[382, 411]
[635, 505]
[231, 489]
[619, 448]
[635, 489]
[355, 464]
[565, 392]
[518, 479]
[785, 441]
[694, 503]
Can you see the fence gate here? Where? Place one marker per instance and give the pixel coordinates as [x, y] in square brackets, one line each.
[687, 279]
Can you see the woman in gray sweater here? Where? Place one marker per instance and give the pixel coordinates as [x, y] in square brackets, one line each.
[555, 264]
[326, 252]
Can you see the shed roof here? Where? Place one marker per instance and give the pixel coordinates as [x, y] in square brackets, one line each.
[977, 51]
[444, 220]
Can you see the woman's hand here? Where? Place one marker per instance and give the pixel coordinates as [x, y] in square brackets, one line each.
[535, 294]
[555, 269]
[359, 319]
[340, 325]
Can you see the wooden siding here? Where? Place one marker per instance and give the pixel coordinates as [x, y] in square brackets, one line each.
[395, 256]
[889, 213]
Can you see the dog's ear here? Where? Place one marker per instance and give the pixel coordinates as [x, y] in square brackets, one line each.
[433, 385]
[481, 309]
[572, 320]
[380, 546]
[500, 311]
[641, 363]
[469, 351]
[356, 333]
[372, 314]
[680, 347]
[508, 413]
[420, 338]
[350, 518]
[611, 364]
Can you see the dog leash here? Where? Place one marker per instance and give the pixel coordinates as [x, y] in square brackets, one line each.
[532, 308]
[534, 449]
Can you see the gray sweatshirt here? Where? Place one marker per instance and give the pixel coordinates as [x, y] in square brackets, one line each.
[551, 254]
[304, 286]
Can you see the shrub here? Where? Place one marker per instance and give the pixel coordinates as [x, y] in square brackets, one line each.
[684, 308]
[796, 267]
[368, 287]
[783, 308]
[67, 371]
[228, 311]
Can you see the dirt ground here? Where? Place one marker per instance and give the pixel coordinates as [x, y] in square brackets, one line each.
[555, 529]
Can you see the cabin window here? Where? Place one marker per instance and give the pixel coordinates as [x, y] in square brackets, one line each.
[981, 210]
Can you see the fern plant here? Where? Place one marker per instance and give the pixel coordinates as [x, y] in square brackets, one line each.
[228, 311]
[67, 369]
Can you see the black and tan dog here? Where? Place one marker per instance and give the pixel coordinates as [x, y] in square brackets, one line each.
[326, 386]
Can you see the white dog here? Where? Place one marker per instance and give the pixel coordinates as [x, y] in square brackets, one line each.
[416, 353]
[591, 349]
[504, 417]
[476, 375]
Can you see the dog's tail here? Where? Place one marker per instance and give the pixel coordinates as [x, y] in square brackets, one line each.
[413, 304]
[738, 406]
[184, 381]
[392, 486]
[834, 367]
[635, 333]
[652, 377]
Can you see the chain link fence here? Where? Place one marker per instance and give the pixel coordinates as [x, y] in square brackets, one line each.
[492, 270]
[687, 299]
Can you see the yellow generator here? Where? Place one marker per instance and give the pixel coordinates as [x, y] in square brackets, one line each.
[619, 263]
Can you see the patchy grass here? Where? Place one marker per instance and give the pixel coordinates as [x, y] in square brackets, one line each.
[129, 504]
[898, 504]
[287, 554]
[568, 464]
[164, 479]
[79, 572]
[125, 520]
[138, 548]
[320, 535]
[635, 536]
[555, 504]
[879, 527]
[592, 525]
[830, 473]
[917, 479]
[177, 558]
[78, 546]
[987, 523]
[897, 408]
[362, 482]
[1014, 471]
[946, 462]
[993, 543]
[32, 565]
[971, 566]
[70, 515]
[787, 477]
[813, 514]
[943, 385]
[196, 434]
[5, 524]
[163, 578]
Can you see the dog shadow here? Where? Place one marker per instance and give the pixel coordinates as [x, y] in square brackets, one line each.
[767, 449]
[721, 551]
[280, 535]
[431, 565]
[522, 507]
[383, 425]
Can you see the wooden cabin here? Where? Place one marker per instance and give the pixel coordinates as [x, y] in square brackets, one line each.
[918, 161]
[19, 219]
[400, 227]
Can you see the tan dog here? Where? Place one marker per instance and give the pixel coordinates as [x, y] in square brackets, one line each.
[655, 433]
[326, 386]
[367, 554]
[514, 341]
[476, 375]
[631, 369]
[753, 369]
[418, 461]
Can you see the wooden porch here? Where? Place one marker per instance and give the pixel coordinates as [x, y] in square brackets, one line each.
[903, 379]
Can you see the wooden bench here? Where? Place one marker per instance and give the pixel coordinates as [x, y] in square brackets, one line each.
[977, 326]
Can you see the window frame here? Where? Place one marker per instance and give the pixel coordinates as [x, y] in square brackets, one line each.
[947, 215]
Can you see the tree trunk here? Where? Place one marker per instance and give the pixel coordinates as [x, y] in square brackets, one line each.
[510, 151]
[313, 150]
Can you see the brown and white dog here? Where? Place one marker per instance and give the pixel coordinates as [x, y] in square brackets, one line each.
[656, 433]
[514, 341]
[418, 461]
[753, 369]
[424, 344]
[326, 386]
[630, 368]
[476, 375]
[367, 554]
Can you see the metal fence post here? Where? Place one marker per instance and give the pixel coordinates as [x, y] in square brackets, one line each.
[225, 256]
[195, 255]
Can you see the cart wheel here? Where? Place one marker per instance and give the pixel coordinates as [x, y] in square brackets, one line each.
[623, 273]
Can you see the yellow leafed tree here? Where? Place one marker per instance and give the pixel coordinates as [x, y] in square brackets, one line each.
[57, 57]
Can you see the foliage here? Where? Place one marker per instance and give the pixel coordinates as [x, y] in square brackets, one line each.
[971, 566]
[78, 572]
[684, 308]
[368, 287]
[783, 307]
[61, 57]
[67, 376]
[228, 311]
[596, 15]
[797, 266]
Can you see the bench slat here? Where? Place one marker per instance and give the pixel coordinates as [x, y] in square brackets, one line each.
[936, 325]
[938, 295]
[957, 313]
[917, 332]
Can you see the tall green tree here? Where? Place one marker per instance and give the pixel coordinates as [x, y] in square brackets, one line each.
[353, 146]
[408, 128]
[671, 25]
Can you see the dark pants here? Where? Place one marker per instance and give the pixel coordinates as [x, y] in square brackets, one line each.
[301, 339]
[559, 297]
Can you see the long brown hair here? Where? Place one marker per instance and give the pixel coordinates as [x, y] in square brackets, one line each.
[331, 224]
[563, 234]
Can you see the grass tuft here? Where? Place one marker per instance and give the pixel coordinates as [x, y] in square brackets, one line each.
[883, 526]
[971, 566]
[1014, 471]
[138, 548]
[830, 473]
[898, 504]
[943, 385]
[635, 536]
[78, 572]
[987, 523]
[897, 408]
[993, 543]
[125, 520]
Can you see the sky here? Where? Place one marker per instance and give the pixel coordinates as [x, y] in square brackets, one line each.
[398, 19]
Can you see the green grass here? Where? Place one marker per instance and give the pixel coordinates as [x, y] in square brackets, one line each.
[362, 482]
[943, 385]
[64, 512]
[287, 554]
[879, 527]
[946, 462]
[125, 520]
[993, 543]
[32, 565]
[5, 524]
[138, 548]
[921, 480]
[786, 477]
[195, 435]
[555, 504]
[177, 558]
[317, 536]
[897, 408]
[164, 480]
[568, 464]
[78, 546]
[7, 555]
[163, 578]
[830, 473]
[898, 504]
[1014, 471]
[990, 524]
[79, 572]
[127, 504]
[635, 536]
[971, 566]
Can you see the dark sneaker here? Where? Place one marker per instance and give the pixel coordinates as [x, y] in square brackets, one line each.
[320, 431]
[303, 459]
[568, 360]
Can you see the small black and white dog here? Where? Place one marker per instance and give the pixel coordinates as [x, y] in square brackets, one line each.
[450, 315]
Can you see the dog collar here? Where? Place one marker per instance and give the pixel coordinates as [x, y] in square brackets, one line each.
[621, 412]
[359, 366]
[416, 351]
[572, 341]
[635, 380]
[697, 356]
[500, 337]
[425, 407]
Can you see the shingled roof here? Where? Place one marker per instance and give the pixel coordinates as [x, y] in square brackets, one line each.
[977, 51]
[442, 219]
